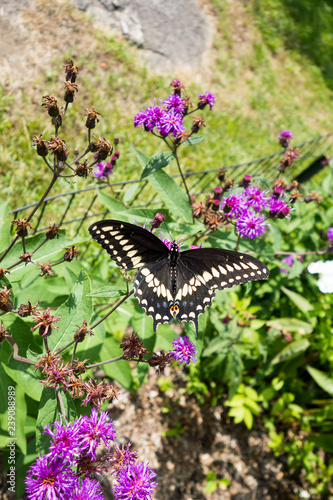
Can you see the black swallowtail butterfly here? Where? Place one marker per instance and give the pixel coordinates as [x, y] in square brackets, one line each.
[169, 282]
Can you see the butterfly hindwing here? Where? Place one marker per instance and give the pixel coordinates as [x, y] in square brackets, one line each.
[128, 245]
[152, 289]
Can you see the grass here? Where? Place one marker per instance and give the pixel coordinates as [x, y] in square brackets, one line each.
[262, 83]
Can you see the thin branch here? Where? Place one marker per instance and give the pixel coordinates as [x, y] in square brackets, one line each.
[113, 309]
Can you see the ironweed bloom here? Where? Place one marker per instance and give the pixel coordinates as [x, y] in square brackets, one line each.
[284, 138]
[204, 99]
[135, 482]
[49, 478]
[184, 350]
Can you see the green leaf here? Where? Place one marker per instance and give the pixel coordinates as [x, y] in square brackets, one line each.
[174, 197]
[291, 350]
[112, 204]
[299, 301]
[25, 377]
[130, 192]
[325, 442]
[21, 407]
[291, 325]
[325, 382]
[143, 159]
[78, 307]
[156, 162]
[4, 226]
[193, 140]
[107, 292]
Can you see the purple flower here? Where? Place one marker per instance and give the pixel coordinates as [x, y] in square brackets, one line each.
[289, 260]
[149, 118]
[171, 123]
[278, 208]
[122, 457]
[284, 138]
[285, 134]
[207, 98]
[49, 479]
[233, 206]
[251, 226]
[88, 489]
[135, 482]
[176, 103]
[193, 247]
[103, 170]
[255, 197]
[329, 234]
[184, 351]
[66, 443]
[95, 428]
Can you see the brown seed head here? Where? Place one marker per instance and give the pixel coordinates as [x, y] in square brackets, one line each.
[51, 104]
[52, 232]
[45, 322]
[26, 257]
[40, 145]
[133, 347]
[58, 147]
[161, 360]
[21, 227]
[197, 123]
[3, 272]
[214, 220]
[71, 71]
[82, 169]
[70, 253]
[71, 88]
[102, 147]
[46, 269]
[27, 310]
[5, 303]
[3, 332]
[92, 117]
[198, 209]
[82, 331]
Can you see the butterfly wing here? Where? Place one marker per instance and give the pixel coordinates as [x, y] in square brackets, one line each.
[152, 289]
[202, 271]
[128, 245]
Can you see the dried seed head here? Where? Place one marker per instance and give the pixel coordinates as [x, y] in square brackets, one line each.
[21, 227]
[161, 360]
[92, 118]
[27, 310]
[82, 169]
[58, 147]
[40, 145]
[26, 257]
[46, 269]
[51, 104]
[45, 322]
[5, 303]
[71, 88]
[177, 86]
[82, 331]
[3, 272]
[133, 347]
[71, 71]
[3, 332]
[197, 123]
[102, 147]
[52, 232]
[70, 253]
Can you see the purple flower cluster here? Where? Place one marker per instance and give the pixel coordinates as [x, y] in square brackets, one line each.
[284, 138]
[73, 446]
[184, 350]
[251, 208]
[103, 170]
[166, 117]
[289, 260]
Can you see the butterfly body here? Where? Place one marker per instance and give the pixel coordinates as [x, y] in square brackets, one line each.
[171, 283]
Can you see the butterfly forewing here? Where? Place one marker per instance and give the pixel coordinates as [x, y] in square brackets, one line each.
[128, 245]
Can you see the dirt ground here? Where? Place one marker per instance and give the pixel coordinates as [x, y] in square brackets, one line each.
[208, 442]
